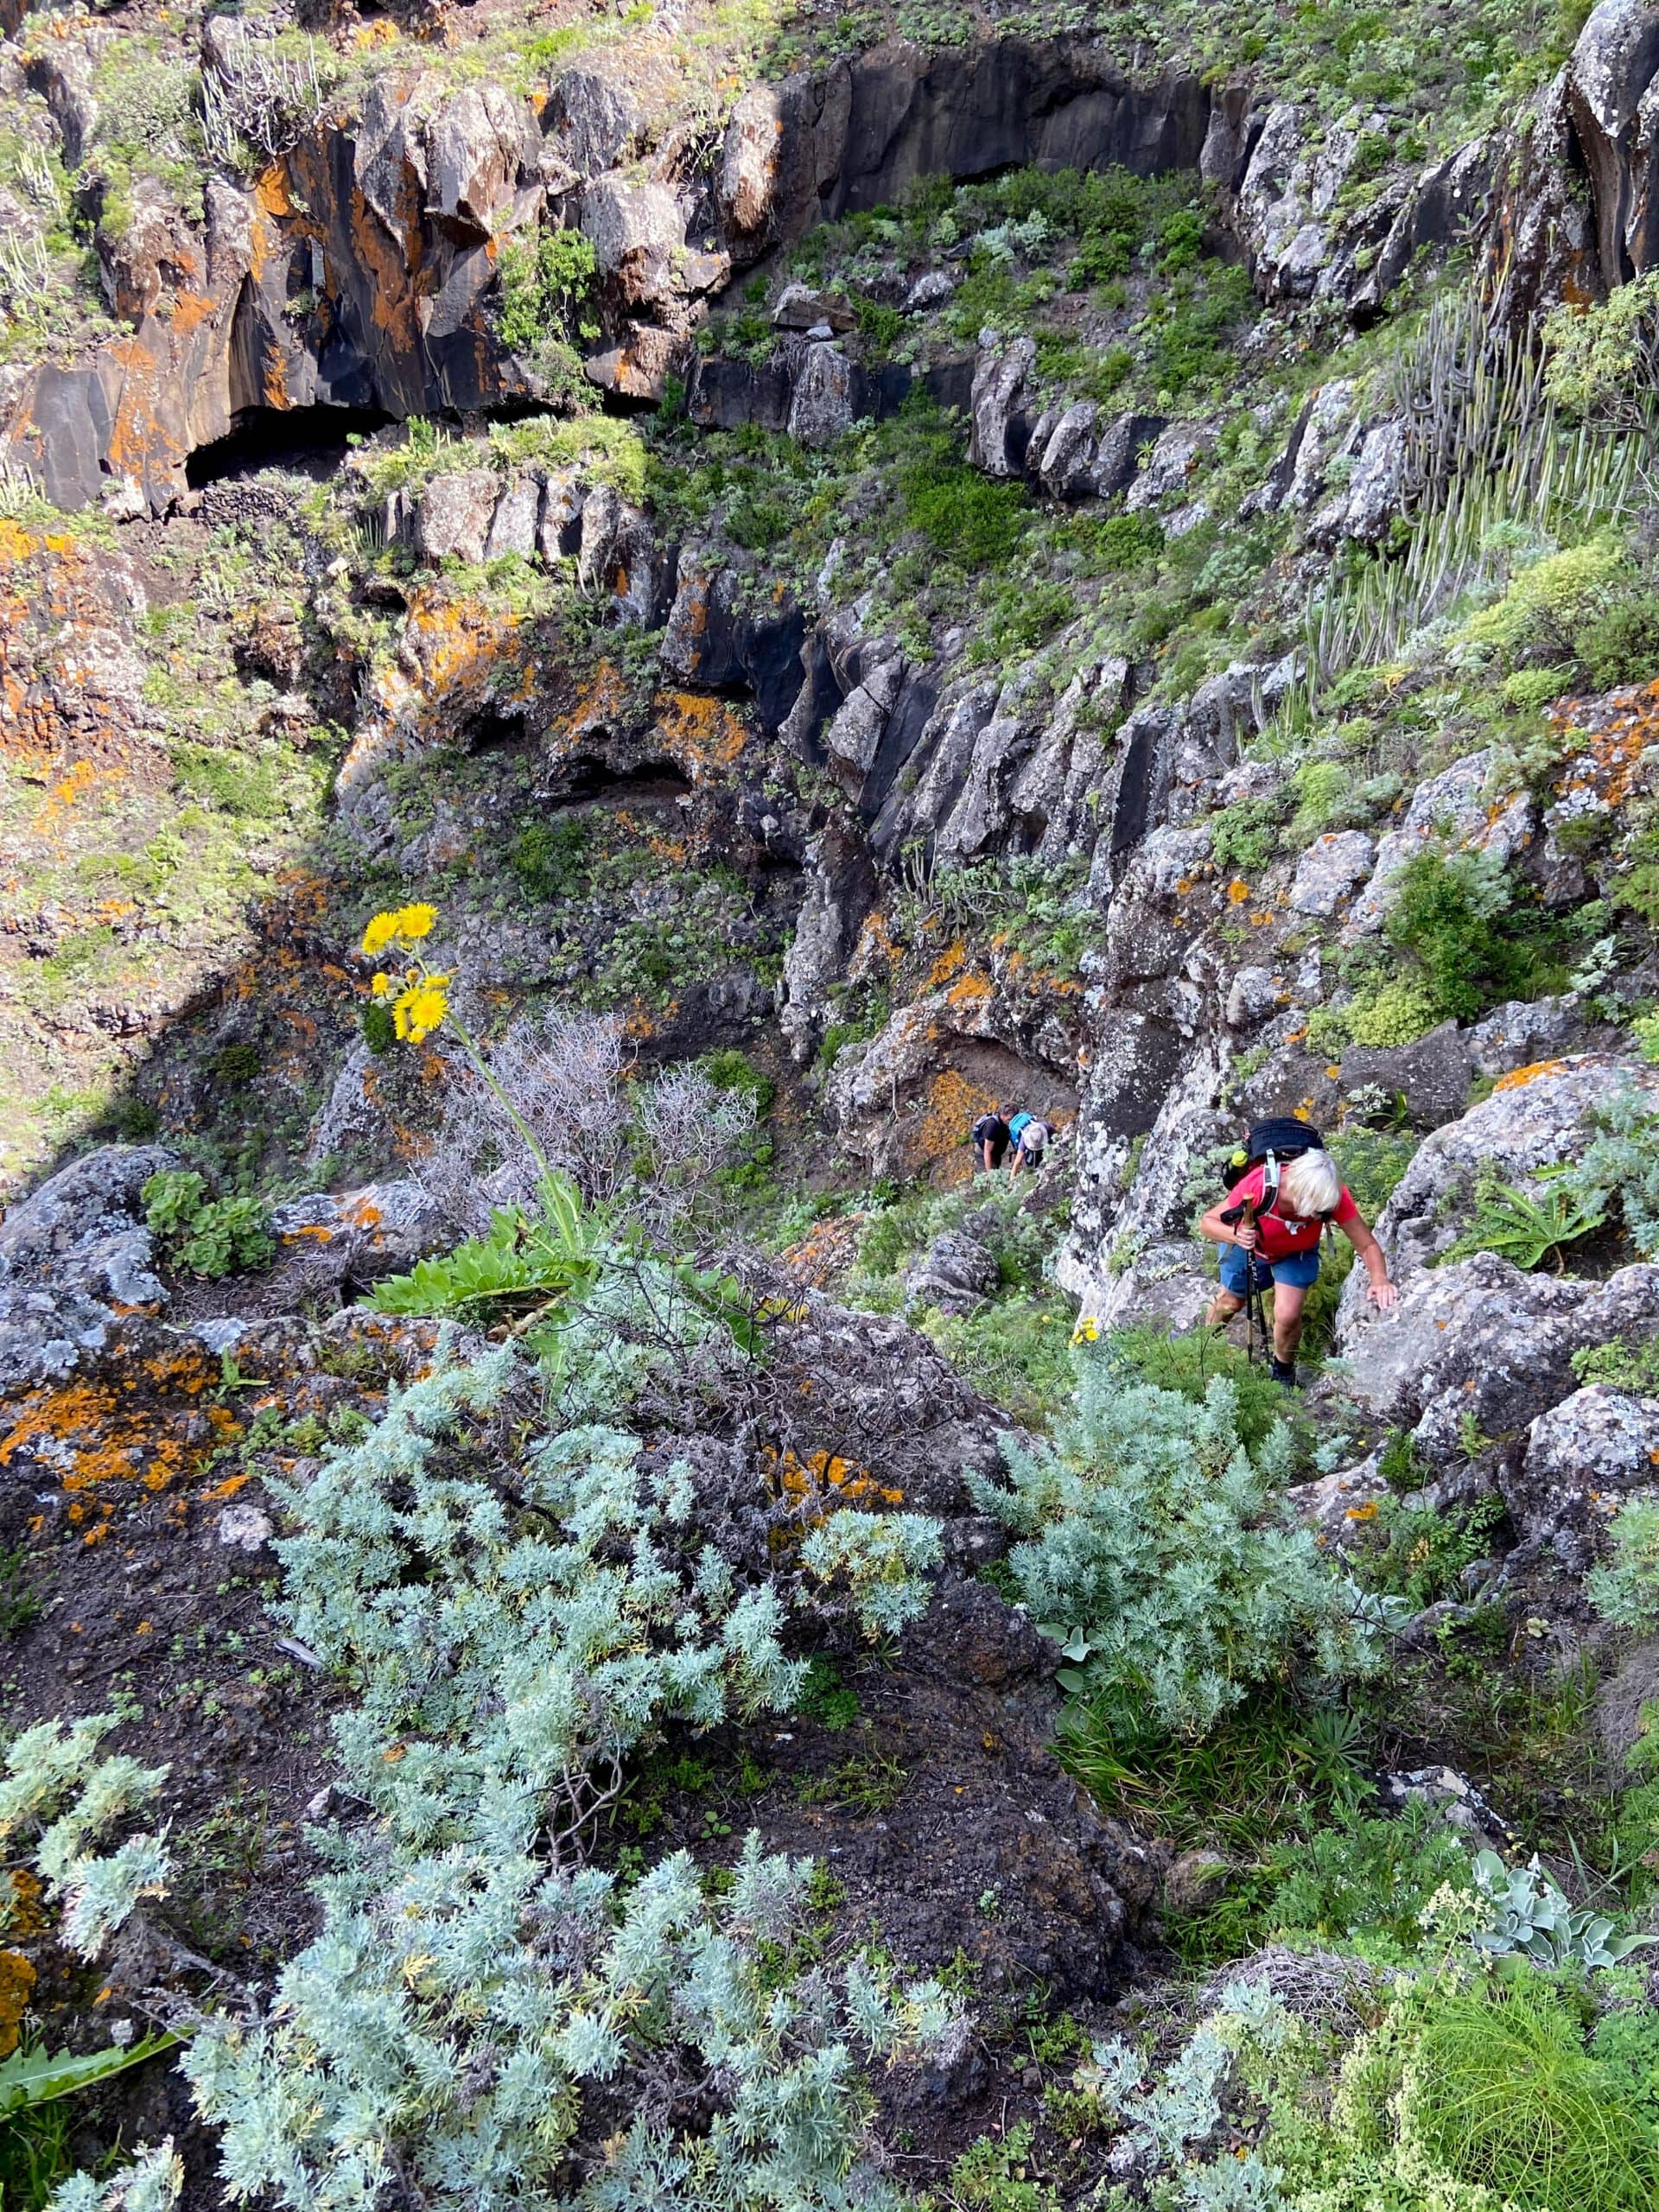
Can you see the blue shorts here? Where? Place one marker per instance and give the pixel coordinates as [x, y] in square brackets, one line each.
[1296, 1271]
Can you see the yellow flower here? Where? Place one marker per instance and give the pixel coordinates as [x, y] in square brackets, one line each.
[381, 984]
[405, 925]
[420, 1009]
[1087, 1330]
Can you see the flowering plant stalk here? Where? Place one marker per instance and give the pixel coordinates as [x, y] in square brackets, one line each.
[418, 996]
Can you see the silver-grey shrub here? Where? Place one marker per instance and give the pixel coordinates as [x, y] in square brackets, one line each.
[1154, 1549]
[484, 2019]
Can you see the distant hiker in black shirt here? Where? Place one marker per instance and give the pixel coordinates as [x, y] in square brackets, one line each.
[990, 1138]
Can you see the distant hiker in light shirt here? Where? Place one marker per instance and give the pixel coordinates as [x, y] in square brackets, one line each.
[990, 1138]
[1029, 1138]
[1279, 1244]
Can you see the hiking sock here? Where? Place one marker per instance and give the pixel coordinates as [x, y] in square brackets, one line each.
[1284, 1371]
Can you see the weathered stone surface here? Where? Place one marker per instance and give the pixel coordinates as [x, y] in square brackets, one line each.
[1582, 1458]
[1253, 993]
[1174, 459]
[996, 444]
[1455, 799]
[380, 1229]
[74, 1255]
[1527, 1124]
[1329, 870]
[1431, 1076]
[593, 120]
[1610, 99]
[455, 513]
[1478, 1341]
[821, 406]
[955, 1273]
[1523, 1032]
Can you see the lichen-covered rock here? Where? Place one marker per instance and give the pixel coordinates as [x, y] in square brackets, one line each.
[1582, 1457]
[1479, 1342]
[955, 1273]
[820, 404]
[74, 1256]
[994, 444]
[1329, 870]
[1453, 801]
[373, 1231]
[1431, 1076]
[453, 517]
[1536, 1118]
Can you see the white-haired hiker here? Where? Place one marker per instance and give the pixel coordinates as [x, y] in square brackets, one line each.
[1277, 1243]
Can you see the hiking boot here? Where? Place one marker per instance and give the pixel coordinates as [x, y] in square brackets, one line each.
[1283, 1371]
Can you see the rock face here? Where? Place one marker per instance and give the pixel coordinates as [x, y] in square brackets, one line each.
[1537, 1118]
[74, 1258]
[1582, 1458]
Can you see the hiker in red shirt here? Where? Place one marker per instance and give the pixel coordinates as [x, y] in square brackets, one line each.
[1278, 1243]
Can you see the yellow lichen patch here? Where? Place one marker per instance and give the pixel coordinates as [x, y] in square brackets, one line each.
[16, 1982]
[104, 1442]
[954, 1104]
[950, 963]
[698, 731]
[1518, 1078]
[824, 1475]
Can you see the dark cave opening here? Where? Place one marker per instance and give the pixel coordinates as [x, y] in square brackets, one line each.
[264, 438]
[591, 783]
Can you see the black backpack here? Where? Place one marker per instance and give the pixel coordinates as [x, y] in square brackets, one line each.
[1269, 1145]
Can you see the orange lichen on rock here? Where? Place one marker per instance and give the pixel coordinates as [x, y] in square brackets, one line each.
[969, 988]
[16, 1985]
[823, 1475]
[1609, 749]
[1518, 1078]
[104, 1441]
[950, 963]
[954, 1104]
[699, 731]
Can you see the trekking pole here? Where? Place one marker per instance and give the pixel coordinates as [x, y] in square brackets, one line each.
[1253, 1317]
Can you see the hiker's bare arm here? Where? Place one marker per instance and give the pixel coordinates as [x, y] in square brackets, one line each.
[1228, 1232]
[1383, 1291]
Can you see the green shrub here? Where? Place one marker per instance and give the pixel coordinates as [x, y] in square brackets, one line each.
[1418, 1554]
[520, 1612]
[1148, 1542]
[1323, 788]
[1604, 356]
[970, 518]
[1372, 1162]
[1117, 544]
[545, 286]
[1398, 1013]
[1456, 915]
[1524, 1229]
[1188, 1361]
[549, 857]
[206, 1236]
[1498, 2090]
[1363, 1881]
[733, 1070]
[1622, 646]
[1620, 1366]
[1620, 1165]
[1244, 837]
[1626, 1591]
